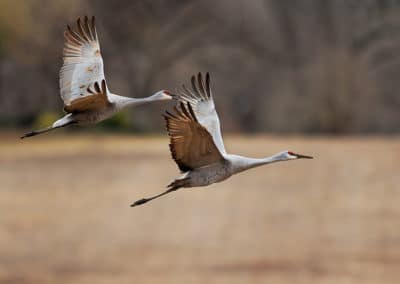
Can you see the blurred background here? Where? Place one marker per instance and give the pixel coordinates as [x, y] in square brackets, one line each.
[318, 77]
[307, 66]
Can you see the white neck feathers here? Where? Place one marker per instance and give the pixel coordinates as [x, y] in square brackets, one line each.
[123, 102]
[240, 163]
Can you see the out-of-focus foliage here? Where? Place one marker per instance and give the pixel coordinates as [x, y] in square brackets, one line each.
[28, 26]
[45, 119]
[119, 121]
[282, 66]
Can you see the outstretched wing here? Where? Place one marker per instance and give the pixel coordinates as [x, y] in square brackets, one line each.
[191, 144]
[83, 64]
[96, 100]
[200, 98]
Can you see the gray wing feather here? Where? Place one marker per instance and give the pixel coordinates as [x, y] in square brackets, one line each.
[191, 144]
[83, 64]
[201, 100]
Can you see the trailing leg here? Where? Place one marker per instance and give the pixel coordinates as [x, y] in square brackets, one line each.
[65, 121]
[173, 186]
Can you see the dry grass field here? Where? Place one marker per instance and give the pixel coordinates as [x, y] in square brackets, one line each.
[65, 215]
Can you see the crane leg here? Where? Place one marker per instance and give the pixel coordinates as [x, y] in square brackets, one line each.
[145, 200]
[173, 186]
[36, 132]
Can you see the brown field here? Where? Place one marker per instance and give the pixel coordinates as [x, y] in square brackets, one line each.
[65, 215]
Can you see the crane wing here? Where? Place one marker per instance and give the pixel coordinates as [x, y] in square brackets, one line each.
[200, 98]
[97, 100]
[83, 64]
[191, 144]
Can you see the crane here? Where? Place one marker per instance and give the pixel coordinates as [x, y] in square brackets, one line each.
[87, 99]
[196, 143]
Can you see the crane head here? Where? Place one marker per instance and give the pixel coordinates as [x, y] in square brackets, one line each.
[163, 95]
[292, 155]
[167, 93]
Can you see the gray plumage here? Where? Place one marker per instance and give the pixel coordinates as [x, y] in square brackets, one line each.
[83, 89]
[196, 142]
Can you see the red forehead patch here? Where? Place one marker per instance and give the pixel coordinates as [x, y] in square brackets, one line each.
[290, 153]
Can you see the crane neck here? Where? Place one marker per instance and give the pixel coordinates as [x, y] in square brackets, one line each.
[122, 102]
[241, 163]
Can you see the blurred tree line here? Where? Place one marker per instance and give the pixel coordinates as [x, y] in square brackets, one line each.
[302, 66]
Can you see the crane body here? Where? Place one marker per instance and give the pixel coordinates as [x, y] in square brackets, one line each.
[87, 99]
[196, 142]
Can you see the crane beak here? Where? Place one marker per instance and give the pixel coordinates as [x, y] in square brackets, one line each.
[168, 95]
[299, 156]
